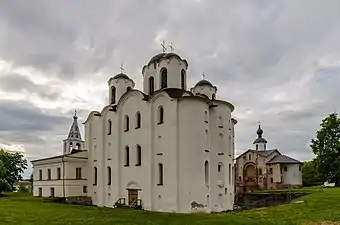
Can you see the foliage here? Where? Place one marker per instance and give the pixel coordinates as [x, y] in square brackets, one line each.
[326, 147]
[4, 186]
[14, 164]
[23, 189]
[320, 206]
[311, 175]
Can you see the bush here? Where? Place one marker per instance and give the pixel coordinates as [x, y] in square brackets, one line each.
[55, 199]
[4, 186]
[23, 189]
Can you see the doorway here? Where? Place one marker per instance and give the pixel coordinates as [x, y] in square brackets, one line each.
[132, 196]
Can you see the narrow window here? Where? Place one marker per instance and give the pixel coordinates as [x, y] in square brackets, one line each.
[183, 79]
[127, 123]
[48, 174]
[230, 173]
[249, 157]
[271, 180]
[220, 122]
[40, 175]
[128, 89]
[164, 78]
[127, 156]
[213, 96]
[109, 124]
[78, 173]
[77, 146]
[40, 192]
[206, 173]
[221, 142]
[108, 175]
[151, 85]
[160, 174]
[225, 191]
[285, 168]
[257, 147]
[139, 156]
[84, 189]
[52, 192]
[95, 176]
[58, 173]
[113, 95]
[260, 171]
[220, 170]
[271, 170]
[206, 116]
[138, 120]
[299, 168]
[160, 115]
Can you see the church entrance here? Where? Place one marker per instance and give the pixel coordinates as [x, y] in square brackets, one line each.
[132, 196]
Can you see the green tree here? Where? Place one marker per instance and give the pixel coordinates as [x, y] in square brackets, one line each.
[4, 185]
[311, 175]
[326, 147]
[14, 164]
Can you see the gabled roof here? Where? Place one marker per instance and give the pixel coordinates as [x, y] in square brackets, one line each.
[74, 133]
[284, 160]
[263, 153]
[61, 156]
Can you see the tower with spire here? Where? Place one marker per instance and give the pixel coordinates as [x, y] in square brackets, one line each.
[260, 142]
[73, 141]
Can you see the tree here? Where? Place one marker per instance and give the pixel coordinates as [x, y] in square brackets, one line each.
[311, 175]
[326, 147]
[14, 164]
[4, 185]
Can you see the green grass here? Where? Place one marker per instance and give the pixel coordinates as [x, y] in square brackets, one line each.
[17, 209]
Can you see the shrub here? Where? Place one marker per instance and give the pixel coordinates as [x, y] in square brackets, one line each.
[4, 186]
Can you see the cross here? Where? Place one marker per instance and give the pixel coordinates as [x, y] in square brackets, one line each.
[204, 75]
[121, 68]
[170, 46]
[163, 46]
[75, 112]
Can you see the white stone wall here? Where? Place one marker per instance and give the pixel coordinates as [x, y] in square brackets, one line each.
[205, 90]
[293, 176]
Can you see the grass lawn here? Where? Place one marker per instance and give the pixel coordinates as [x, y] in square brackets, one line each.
[320, 207]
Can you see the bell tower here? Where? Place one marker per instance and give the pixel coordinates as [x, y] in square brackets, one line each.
[260, 143]
[73, 141]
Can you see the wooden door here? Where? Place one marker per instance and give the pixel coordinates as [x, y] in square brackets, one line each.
[132, 196]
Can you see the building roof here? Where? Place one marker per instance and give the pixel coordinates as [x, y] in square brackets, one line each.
[74, 133]
[259, 138]
[160, 56]
[59, 156]
[263, 153]
[204, 82]
[121, 75]
[283, 159]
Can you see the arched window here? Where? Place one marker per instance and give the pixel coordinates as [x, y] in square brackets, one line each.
[160, 174]
[206, 173]
[206, 116]
[95, 176]
[183, 78]
[230, 173]
[220, 171]
[249, 157]
[113, 95]
[128, 89]
[151, 85]
[213, 96]
[257, 147]
[127, 123]
[164, 78]
[160, 115]
[138, 120]
[78, 146]
[127, 156]
[139, 156]
[220, 122]
[108, 175]
[109, 128]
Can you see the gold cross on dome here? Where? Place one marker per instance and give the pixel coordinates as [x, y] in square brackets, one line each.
[171, 48]
[121, 68]
[163, 46]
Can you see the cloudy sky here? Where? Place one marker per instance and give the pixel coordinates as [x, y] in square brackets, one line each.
[278, 62]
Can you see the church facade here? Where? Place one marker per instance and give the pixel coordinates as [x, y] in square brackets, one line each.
[260, 168]
[165, 148]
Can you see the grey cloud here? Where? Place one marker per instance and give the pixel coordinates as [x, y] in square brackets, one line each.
[14, 82]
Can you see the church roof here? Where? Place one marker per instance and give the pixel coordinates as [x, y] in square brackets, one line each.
[121, 75]
[265, 153]
[164, 55]
[204, 82]
[259, 139]
[74, 133]
[283, 159]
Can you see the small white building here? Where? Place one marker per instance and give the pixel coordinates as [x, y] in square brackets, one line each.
[63, 175]
[165, 148]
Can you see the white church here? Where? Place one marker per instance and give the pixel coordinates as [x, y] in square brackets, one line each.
[166, 148]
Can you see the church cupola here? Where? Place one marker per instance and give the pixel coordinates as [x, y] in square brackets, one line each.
[119, 85]
[260, 142]
[73, 141]
[204, 88]
[165, 70]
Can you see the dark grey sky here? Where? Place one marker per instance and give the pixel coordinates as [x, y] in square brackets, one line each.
[278, 62]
